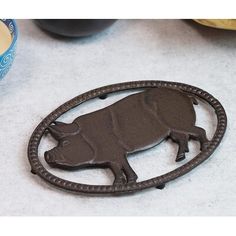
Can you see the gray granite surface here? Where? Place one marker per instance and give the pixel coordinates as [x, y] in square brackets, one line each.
[49, 71]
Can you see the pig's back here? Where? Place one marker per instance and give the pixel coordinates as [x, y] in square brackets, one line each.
[174, 107]
[135, 124]
[129, 121]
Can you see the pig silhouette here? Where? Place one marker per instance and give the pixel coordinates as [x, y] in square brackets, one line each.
[137, 122]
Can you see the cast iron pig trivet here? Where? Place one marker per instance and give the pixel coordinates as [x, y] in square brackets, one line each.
[140, 121]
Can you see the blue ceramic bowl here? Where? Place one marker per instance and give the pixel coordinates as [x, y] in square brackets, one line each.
[7, 58]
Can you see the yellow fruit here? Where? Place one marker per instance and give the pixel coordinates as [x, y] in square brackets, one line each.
[229, 24]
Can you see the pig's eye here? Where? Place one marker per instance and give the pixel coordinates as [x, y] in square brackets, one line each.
[65, 142]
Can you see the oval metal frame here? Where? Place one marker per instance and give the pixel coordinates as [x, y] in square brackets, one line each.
[38, 168]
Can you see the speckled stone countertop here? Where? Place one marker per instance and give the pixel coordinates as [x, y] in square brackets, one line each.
[49, 71]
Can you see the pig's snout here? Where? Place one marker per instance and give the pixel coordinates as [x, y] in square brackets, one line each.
[49, 158]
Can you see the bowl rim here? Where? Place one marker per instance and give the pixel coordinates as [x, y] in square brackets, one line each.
[15, 36]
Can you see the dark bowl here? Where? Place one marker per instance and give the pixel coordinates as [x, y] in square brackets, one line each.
[75, 28]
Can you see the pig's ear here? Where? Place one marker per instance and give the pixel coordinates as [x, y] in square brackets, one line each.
[61, 130]
[55, 132]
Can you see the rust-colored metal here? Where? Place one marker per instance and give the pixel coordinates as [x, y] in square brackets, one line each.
[104, 138]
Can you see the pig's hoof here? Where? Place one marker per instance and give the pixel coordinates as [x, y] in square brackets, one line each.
[117, 183]
[162, 186]
[132, 180]
[180, 157]
[120, 181]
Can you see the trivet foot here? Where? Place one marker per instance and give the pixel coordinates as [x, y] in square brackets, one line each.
[104, 96]
[162, 186]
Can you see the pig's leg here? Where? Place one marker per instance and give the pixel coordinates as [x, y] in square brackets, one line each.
[130, 174]
[182, 140]
[199, 134]
[118, 173]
